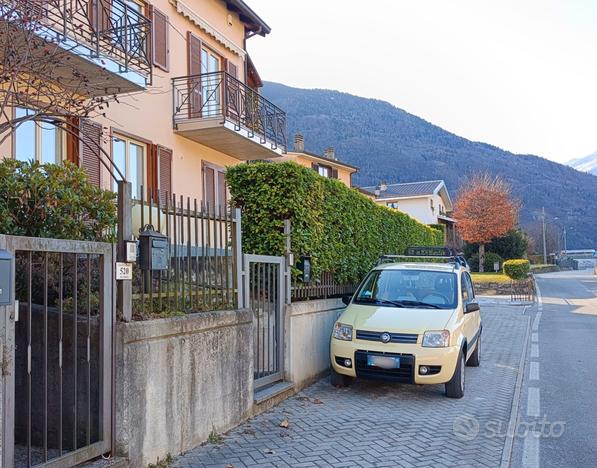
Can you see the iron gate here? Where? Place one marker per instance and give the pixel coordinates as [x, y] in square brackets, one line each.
[264, 296]
[60, 388]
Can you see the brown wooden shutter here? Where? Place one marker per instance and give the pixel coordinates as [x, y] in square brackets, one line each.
[164, 161]
[161, 52]
[334, 173]
[90, 140]
[232, 69]
[72, 140]
[101, 9]
[194, 68]
[152, 172]
[222, 192]
[315, 167]
[209, 186]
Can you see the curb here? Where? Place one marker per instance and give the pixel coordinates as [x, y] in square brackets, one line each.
[509, 442]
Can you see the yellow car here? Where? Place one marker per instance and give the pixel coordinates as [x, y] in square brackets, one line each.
[409, 322]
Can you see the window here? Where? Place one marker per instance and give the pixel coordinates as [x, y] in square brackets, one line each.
[129, 156]
[324, 171]
[215, 191]
[39, 141]
[432, 207]
[392, 205]
[466, 288]
[210, 82]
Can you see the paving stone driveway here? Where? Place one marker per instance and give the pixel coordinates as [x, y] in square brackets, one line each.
[373, 424]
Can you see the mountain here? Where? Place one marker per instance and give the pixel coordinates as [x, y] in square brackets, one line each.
[586, 164]
[390, 144]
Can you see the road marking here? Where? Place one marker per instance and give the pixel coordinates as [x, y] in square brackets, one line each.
[535, 337]
[534, 402]
[535, 350]
[530, 455]
[539, 298]
[536, 321]
[534, 371]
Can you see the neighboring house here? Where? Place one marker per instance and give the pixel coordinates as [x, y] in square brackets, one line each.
[196, 107]
[428, 202]
[327, 165]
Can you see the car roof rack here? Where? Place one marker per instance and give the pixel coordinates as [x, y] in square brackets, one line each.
[445, 254]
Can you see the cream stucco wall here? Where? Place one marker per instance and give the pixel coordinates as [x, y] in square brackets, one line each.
[418, 207]
[344, 173]
[148, 114]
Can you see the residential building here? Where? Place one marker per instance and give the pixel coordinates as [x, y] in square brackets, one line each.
[190, 103]
[326, 165]
[428, 202]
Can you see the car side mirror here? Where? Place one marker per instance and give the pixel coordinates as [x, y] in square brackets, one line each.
[472, 307]
[346, 298]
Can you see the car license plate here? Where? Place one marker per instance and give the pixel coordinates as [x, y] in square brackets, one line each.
[384, 362]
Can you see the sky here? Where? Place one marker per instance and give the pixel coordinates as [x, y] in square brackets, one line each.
[518, 74]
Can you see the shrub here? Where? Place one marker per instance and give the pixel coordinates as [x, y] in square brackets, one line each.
[513, 245]
[54, 201]
[517, 269]
[490, 259]
[342, 230]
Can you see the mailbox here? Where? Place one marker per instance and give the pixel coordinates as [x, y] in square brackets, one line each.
[304, 265]
[6, 279]
[153, 250]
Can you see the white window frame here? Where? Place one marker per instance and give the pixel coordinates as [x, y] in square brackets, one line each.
[126, 170]
[38, 140]
[324, 171]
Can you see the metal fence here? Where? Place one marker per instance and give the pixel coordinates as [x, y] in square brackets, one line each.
[203, 248]
[325, 287]
[523, 291]
[219, 94]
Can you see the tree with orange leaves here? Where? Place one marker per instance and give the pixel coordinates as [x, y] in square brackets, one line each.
[485, 210]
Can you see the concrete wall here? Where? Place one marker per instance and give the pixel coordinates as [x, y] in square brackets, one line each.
[178, 378]
[309, 326]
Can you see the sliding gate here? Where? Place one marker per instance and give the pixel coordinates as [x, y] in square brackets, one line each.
[57, 399]
[264, 296]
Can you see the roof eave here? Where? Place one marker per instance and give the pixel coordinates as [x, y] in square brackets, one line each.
[253, 21]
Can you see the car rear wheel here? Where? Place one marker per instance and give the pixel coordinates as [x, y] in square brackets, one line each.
[455, 387]
[340, 380]
[475, 358]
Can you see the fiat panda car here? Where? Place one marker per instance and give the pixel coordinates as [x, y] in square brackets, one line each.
[412, 322]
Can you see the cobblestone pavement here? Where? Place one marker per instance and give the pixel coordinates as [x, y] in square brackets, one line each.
[383, 425]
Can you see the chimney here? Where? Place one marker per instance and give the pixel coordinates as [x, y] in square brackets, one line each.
[299, 143]
[330, 153]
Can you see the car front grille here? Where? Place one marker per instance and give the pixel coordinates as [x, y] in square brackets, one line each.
[405, 373]
[394, 337]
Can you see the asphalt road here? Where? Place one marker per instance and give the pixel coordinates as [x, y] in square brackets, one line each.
[557, 425]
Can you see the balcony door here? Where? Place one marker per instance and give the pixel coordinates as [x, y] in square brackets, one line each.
[211, 83]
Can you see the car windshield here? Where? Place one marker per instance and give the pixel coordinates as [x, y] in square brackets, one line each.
[409, 288]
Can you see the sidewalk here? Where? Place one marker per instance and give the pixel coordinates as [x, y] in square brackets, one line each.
[381, 424]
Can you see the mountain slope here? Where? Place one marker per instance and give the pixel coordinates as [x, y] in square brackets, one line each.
[390, 144]
[586, 164]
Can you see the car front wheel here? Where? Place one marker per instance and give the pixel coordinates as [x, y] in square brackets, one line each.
[455, 387]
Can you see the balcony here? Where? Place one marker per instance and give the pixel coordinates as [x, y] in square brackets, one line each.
[105, 42]
[219, 111]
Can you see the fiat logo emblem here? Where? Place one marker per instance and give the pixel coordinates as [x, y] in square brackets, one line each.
[385, 337]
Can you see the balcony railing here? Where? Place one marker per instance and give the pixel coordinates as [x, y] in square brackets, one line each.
[108, 28]
[219, 95]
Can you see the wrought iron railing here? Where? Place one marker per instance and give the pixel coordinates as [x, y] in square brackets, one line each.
[111, 28]
[325, 287]
[220, 95]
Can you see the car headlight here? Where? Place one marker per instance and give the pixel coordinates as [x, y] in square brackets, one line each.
[436, 339]
[342, 331]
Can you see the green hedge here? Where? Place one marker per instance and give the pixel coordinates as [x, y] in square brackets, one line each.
[342, 230]
[517, 269]
[54, 201]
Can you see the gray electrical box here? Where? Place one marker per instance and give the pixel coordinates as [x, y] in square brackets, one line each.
[153, 250]
[6, 279]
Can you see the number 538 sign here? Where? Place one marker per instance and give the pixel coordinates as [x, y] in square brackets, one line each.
[124, 271]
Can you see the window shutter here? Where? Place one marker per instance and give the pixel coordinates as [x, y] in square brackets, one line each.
[164, 161]
[89, 149]
[315, 167]
[232, 69]
[99, 14]
[72, 140]
[152, 172]
[209, 195]
[194, 68]
[222, 192]
[334, 173]
[161, 51]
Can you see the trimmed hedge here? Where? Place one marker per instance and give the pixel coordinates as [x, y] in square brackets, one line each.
[517, 269]
[342, 230]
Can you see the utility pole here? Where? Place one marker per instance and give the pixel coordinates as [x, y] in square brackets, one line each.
[565, 248]
[544, 243]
